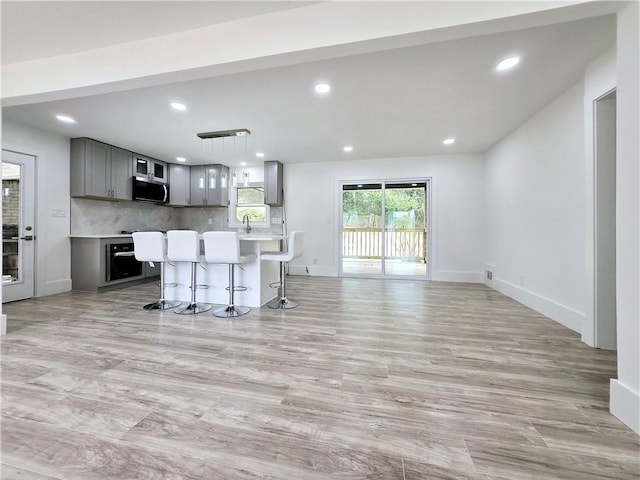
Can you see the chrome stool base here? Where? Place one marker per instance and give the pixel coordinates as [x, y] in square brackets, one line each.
[161, 305]
[193, 308]
[231, 311]
[282, 303]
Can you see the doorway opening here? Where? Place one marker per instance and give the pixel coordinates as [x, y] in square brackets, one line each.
[18, 216]
[605, 222]
[385, 229]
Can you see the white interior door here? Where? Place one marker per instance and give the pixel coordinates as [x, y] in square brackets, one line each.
[18, 228]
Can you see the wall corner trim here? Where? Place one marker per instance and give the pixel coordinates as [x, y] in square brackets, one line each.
[625, 404]
[562, 314]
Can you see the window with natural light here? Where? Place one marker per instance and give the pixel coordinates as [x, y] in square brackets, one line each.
[249, 202]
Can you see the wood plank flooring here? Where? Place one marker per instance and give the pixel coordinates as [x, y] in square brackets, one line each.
[367, 379]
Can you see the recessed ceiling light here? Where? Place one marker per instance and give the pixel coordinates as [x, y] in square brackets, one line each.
[507, 64]
[449, 141]
[65, 119]
[348, 148]
[323, 88]
[244, 164]
[178, 106]
[181, 159]
[259, 154]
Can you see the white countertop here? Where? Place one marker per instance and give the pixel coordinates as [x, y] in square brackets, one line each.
[251, 237]
[102, 236]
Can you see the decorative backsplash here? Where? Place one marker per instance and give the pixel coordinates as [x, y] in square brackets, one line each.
[101, 217]
[195, 218]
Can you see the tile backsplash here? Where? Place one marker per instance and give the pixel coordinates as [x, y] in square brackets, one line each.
[100, 217]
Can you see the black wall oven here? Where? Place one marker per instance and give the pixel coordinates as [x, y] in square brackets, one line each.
[121, 262]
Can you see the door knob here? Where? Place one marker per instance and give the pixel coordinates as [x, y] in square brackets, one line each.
[28, 238]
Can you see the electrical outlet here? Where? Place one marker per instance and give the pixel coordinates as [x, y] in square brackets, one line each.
[315, 261]
[210, 222]
[522, 280]
[489, 275]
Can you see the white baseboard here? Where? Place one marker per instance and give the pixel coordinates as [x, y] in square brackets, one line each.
[462, 277]
[3, 324]
[322, 271]
[314, 270]
[56, 286]
[562, 314]
[624, 404]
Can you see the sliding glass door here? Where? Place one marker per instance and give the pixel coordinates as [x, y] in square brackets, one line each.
[384, 229]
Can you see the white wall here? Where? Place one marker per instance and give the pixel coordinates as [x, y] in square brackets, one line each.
[53, 251]
[625, 390]
[457, 220]
[535, 214]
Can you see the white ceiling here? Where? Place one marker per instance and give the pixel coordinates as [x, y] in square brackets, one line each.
[41, 29]
[393, 103]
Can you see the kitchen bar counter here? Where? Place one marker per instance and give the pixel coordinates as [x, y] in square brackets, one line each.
[255, 275]
[89, 270]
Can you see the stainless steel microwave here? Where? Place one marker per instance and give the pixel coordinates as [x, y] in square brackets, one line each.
[147, 191]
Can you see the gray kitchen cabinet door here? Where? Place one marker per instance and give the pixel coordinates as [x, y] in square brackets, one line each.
[212, 185]
[273, 175]
[121, 183]
[179, 183]
[198, 185]
[99, 170]
[97, 163]
[218, 185]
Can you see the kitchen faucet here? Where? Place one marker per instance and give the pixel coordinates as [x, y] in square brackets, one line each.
[246, 217]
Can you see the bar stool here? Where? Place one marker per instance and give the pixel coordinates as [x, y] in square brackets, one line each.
[151, 247]
[224, 247]
[294, 250]
[184, 246]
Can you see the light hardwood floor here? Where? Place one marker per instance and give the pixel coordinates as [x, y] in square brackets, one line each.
[367, 379]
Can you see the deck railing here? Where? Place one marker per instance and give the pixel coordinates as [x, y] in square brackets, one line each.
[367, 243]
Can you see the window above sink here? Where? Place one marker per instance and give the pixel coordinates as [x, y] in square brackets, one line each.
[248, 200]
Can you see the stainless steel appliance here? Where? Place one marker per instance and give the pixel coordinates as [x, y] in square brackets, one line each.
[121, 262]
[150, 191]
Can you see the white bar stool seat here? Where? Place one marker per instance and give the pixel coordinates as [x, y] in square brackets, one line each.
[294, 250]
[224, 247]
[184, 246]
[152, 247]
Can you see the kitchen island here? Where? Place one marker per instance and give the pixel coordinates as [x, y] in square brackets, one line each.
[255, 276]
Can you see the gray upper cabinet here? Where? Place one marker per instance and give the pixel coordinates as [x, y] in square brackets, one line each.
[273, 187]
[121, 187]
[210, 185]
[99, 170]
[150, 169]
[179, 181]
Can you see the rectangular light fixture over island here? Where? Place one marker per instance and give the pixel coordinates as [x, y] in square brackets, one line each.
[238, 132]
